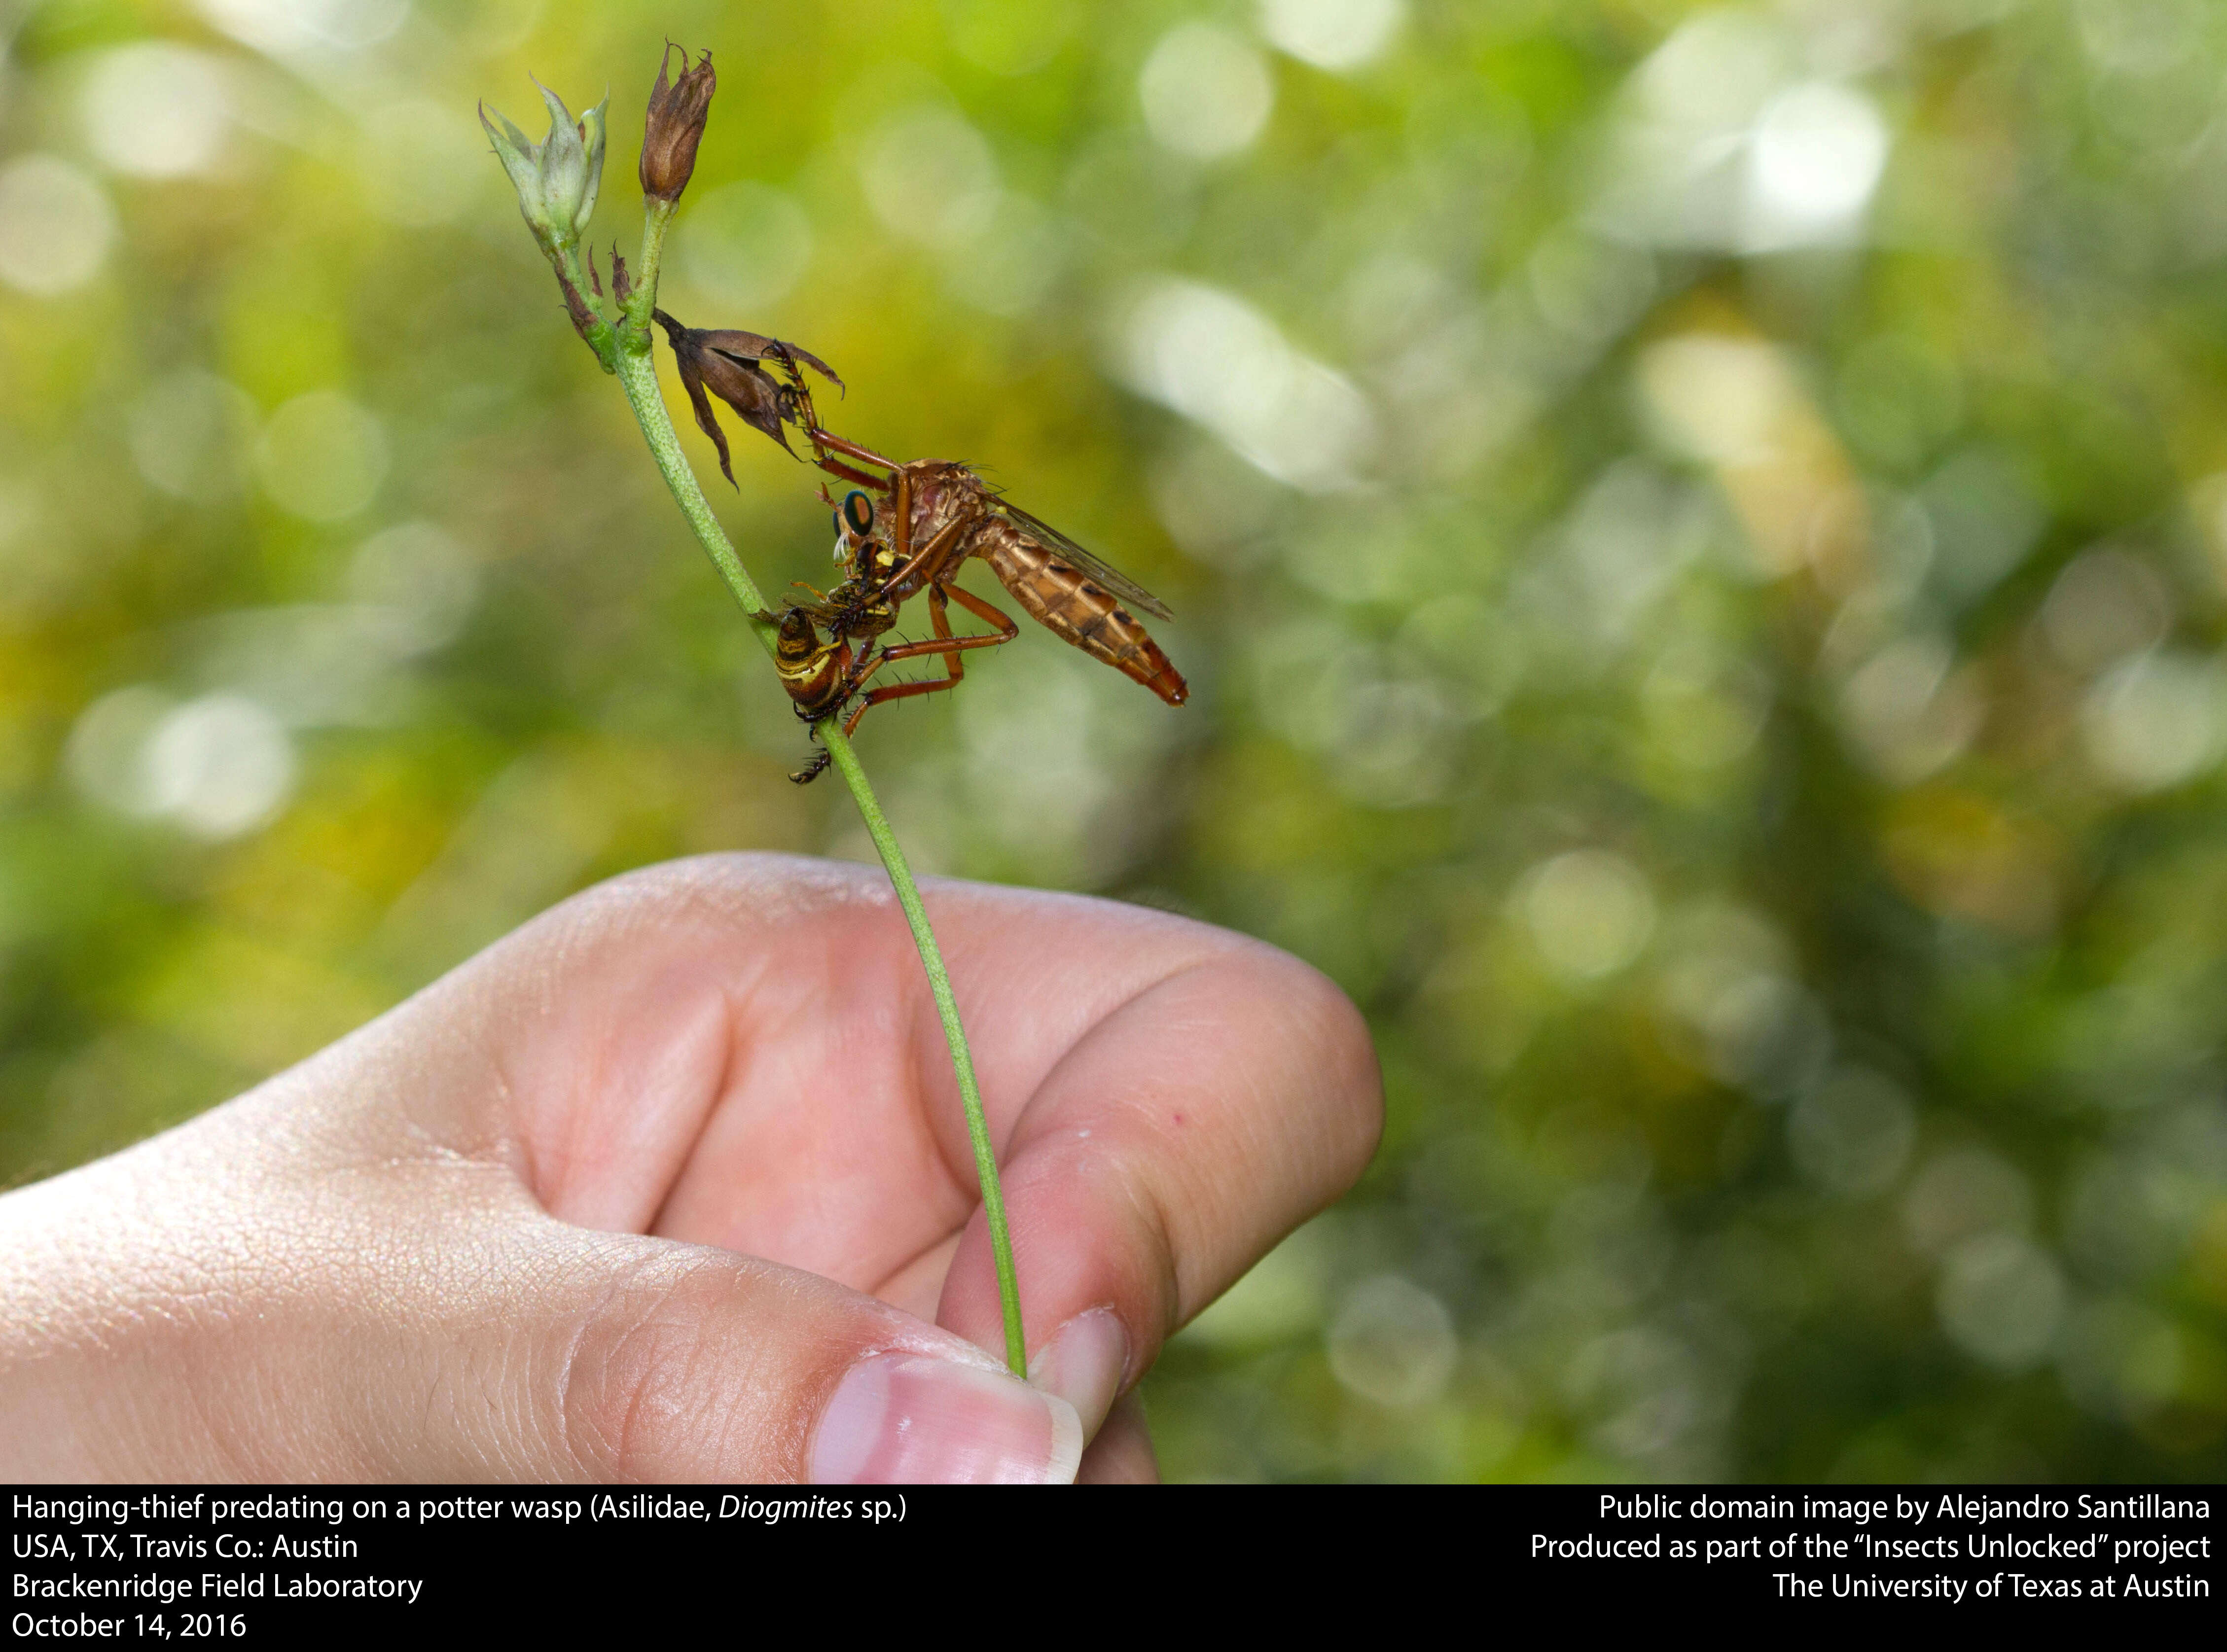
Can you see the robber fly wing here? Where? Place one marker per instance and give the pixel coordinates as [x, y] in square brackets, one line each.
[1113, 578]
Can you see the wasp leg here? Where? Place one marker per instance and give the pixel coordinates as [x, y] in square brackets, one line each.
[821, 758]
[815, 768]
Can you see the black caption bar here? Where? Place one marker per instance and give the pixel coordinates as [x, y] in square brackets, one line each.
[156, 1564]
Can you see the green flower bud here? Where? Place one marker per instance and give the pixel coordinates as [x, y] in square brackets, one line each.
[556, 179]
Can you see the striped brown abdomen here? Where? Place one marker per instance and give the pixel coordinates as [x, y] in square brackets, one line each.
[814, 672]
[1064, 599]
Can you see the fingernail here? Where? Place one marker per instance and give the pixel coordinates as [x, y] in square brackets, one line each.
[1083, 1364]
[904, 1418]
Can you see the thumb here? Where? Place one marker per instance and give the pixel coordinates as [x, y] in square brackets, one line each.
[650, 1360]
[247, 1299]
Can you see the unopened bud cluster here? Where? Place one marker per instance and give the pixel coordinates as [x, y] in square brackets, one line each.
[556, 180]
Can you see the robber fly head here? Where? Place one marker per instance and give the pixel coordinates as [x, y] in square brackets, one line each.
[854, 533]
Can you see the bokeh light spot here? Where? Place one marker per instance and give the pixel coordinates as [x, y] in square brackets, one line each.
[2001, 1299]
[55, 225]
[1961, 1193]
[1589, 911]
[1214, 357]
[2106, 605]
[1335, 34]
[323, 456]
[1206, 93]
[105, 756]
[1904, 712]
[218, 766]
[1852, 1134]
[422, 574]
[193, 434]
[1815, 157]
[157, 110]
[928, 175]
[1718, 399]
[745, 244]
[289, 28]
[1392, 1342]
[2155, 721]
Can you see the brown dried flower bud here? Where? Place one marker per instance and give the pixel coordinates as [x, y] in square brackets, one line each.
[729, 364]
[584, 319]
[675, 125]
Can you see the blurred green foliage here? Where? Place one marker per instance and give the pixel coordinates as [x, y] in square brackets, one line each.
[1701, 539]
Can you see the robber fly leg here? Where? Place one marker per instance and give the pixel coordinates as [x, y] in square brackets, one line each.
[986, 612]
[859, 478]
[951, 647]
[932, 558]
[826, 443]
[944, 644]
[825, 439]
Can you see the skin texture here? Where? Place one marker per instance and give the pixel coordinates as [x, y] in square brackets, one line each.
[627, 1195]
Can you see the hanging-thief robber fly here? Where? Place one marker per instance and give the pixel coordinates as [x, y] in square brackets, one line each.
[940, 513]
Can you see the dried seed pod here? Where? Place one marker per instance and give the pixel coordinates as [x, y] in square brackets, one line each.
[756, 346]
[675, 124]
[729, 364]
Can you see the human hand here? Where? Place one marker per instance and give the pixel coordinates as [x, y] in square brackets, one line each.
[673, 1183]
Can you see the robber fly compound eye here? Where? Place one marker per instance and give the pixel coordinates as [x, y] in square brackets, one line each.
[857, 513]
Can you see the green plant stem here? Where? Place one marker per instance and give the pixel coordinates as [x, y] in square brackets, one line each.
[637, 372]
[600, 335]
[962, 1060]
[634, 316]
